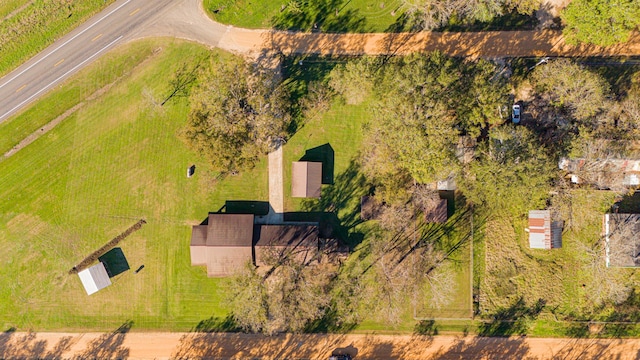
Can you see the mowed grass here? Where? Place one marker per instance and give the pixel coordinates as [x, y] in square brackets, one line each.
[37, 25]
[372, 16]
[116, 160]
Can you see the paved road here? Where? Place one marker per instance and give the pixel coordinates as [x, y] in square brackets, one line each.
[77, 49]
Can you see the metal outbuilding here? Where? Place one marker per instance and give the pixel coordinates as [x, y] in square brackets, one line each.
[94, 278]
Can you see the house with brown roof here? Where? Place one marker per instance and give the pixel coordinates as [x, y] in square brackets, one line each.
[223, 244]
[622, 240]
[228, 241]
[301, 242]
[306, 179]
[543, 232]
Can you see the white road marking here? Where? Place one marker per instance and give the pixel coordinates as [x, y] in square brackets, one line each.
[59, 78]
[65, 43]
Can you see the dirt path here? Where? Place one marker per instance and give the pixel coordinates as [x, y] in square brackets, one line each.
[188, 20]
[244, 346]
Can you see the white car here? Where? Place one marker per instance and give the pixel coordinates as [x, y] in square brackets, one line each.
[515, 114]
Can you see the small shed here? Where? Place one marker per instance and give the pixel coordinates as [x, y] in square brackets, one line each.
[94, 278]
[544, 233]
[306, 179]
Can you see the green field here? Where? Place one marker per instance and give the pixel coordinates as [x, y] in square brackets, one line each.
[330, 16]
[27, 27]
[116, 160]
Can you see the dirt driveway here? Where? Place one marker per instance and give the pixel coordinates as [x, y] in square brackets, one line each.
[244, 346]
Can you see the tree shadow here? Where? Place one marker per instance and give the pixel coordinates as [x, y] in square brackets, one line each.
[329, 323]
[426, 327]
[508, 21]
[109, 345]
[487, 348]
[628, 204]
[319, 16]
[513, 320]
[342, 199]
[27, 346]
[217, 324]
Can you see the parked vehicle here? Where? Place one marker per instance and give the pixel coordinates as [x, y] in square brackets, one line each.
[515, 114]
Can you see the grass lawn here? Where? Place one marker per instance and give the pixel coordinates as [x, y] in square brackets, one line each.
[37, 25]
[116, 160]
[330, 16]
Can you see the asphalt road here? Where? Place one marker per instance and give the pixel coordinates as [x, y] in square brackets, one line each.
[69, 54]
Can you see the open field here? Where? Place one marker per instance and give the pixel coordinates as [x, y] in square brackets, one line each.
[27, 27]
[114, 161]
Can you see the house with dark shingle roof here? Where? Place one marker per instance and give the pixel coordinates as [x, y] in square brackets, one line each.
[228, 241]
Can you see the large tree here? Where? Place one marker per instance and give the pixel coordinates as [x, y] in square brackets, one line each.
[237, 113]
[424, 103]
[511, 175]
[569, 86]
[600, 22]
[287, 297]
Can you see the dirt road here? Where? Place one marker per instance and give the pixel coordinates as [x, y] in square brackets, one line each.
[187, 19]
[243, 346]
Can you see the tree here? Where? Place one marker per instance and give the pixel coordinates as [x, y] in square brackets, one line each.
[353, 80]
[290, 295]
[600, 22]
[237, 112]
[433, 14]
[182, 81]
[512, 173]
[424, 103]
[570, 86]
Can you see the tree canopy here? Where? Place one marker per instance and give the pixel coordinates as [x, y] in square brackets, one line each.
[237, 112]
[600, 22]
[512, 174]
[423, 104]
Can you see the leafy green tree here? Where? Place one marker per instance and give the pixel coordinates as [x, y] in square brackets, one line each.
[600, 22]
[512, 174]
[237, 112]
[353, 80]
[424, 103]
[572, 87]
